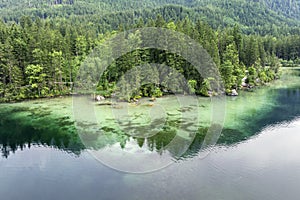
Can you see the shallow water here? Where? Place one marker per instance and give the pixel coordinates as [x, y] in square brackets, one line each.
[43, 156]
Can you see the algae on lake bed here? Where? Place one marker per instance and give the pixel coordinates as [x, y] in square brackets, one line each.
[51, 122]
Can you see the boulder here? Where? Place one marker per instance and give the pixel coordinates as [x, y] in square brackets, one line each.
[234, 93]
[100, 98]
[244, 84]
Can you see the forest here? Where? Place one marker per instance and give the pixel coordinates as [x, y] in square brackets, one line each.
[253, 17]
[42, 47]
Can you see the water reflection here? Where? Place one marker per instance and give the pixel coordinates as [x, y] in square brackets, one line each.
[21, 126]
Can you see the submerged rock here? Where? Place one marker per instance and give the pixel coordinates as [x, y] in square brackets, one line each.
[152, 99]
[105, 103]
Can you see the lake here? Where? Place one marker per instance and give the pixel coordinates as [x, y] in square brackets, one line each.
[128, 151]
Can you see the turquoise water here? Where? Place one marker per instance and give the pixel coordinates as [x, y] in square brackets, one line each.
[43, 156]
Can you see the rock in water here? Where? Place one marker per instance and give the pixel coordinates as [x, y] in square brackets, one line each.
[234, 93]
[99, 98]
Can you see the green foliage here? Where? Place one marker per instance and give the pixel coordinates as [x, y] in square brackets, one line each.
[205, 87]
[264, 17]
[252, 74]
[36, 80]
[227, 74]
[263, 76]
[156, 92]
[192, 85]
[42, 57]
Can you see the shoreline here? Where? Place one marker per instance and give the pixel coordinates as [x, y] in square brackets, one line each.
[244, 89]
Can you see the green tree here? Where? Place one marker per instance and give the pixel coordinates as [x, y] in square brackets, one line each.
[36, 80]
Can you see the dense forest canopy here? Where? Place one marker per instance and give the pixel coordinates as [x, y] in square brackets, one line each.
[43, 43]
[260, 16]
